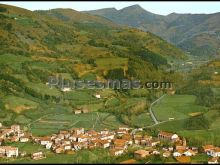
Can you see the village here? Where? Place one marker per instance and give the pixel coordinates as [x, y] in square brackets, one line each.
[116, 141]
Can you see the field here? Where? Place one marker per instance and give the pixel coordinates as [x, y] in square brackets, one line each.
[13, 60]
[111, 63]
[44, 89]
[53, 123]
[18, 104]
[142, 120]
[177, 107]
[184, 105]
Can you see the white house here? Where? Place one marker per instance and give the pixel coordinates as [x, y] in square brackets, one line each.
[44, 141]
[15, 128]
[166, 154]
[24, 139]
[215, 152]
[213, 160]
[49, 145]
[82, 138]
[116, 152]
[67, 147]
[65, 89]
[155, 152]
[9, 151]
[189, 153]
[37, 155]
[98, 96]
[176, 154]
[105, 144]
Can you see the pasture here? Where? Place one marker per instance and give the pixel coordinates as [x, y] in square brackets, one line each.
[177, 107]
[111, 63]
[18, 104]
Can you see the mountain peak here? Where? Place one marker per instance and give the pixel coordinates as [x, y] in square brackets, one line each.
[133, 7]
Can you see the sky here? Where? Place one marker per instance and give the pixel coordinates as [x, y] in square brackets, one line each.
[158, 7]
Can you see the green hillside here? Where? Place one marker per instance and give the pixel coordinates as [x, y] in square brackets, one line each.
[75, 45]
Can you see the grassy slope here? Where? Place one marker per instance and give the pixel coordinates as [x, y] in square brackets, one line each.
[177, 107]
[180, 106]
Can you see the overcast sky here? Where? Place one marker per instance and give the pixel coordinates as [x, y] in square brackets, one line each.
[158, 7]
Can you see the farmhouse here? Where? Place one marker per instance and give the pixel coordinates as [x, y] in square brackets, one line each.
[37, 155]
[140, 154]
[208, 148]
[168, 136]
[120, 143]
[214, 152]
[104, 132]
[116, 152]
[6, 132]
[44, 140]
[83, 138]
[77, 111]
[166, 154]
[189, 152]
[65, 89]
[178, 153]
[124, 127]
[24, 139]
[213, 160]
[98, 96]
[59, 150]
[137, 140]
[181, 147]
[105, 143]
[15, 128]
[78, 131]
[49, 145]
[154, 143]
[8, 151]
[14, 139]
[128, 137]
[120, 132]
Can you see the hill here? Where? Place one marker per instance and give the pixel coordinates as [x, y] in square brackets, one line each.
[187, 31]
[75, 45]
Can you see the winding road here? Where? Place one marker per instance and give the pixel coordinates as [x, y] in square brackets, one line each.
[151, 112]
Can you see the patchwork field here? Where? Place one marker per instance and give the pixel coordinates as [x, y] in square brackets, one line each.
[177, 107]
[53, 123]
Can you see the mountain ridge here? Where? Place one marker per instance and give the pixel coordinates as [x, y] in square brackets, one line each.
[174, 27]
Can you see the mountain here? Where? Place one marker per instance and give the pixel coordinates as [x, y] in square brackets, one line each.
[187, 31]
[95, 46]
[77, 46]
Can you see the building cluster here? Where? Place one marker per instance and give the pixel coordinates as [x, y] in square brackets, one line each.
[117, 142]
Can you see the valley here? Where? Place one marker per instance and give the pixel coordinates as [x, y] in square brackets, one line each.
[93, 45]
